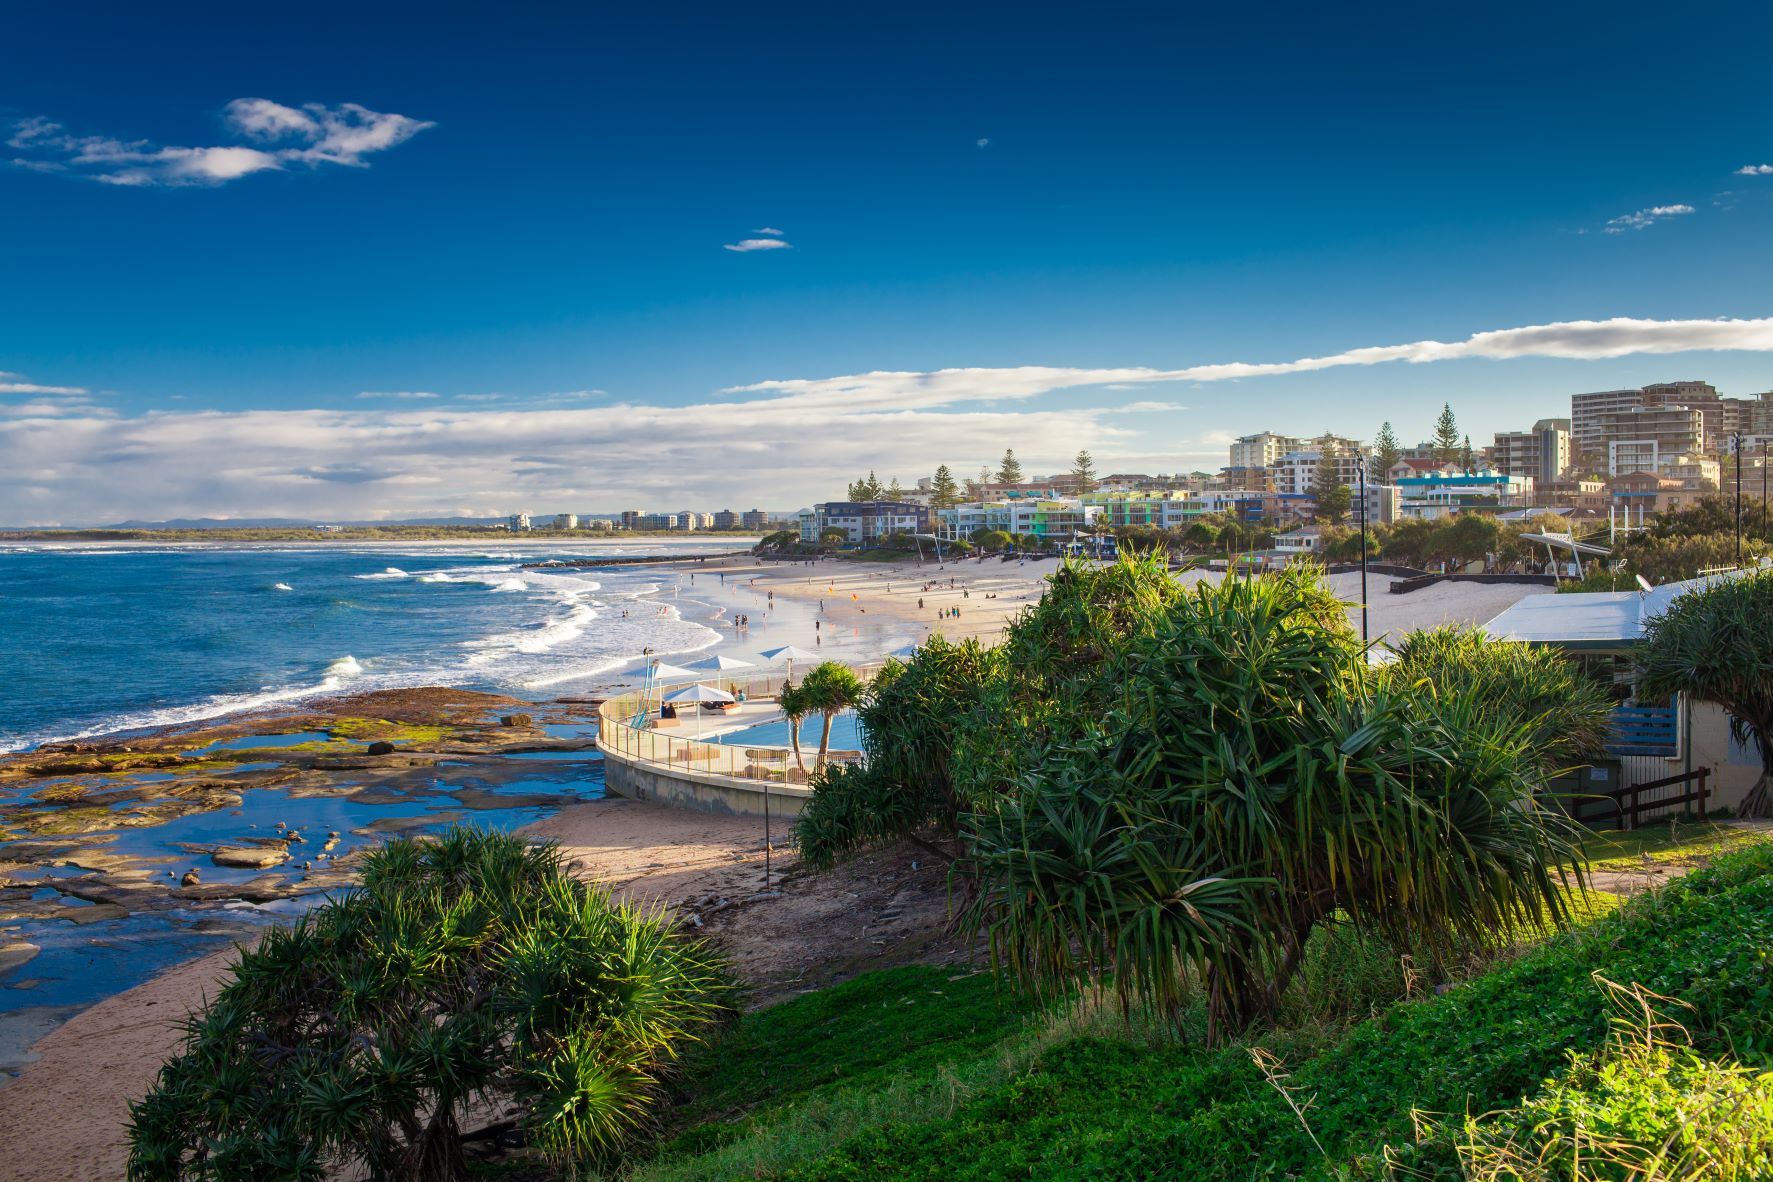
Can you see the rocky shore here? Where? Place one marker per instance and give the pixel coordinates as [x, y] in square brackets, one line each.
[122, 856]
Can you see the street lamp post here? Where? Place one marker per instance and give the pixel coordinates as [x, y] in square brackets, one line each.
[1736, 443]
[1360, 467]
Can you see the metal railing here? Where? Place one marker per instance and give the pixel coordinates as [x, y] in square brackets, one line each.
[648, 742]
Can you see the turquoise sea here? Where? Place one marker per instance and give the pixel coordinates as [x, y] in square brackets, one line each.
[100, 639]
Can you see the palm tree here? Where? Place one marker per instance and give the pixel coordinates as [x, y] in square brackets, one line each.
[796, 704]
[832, 689]
[1716, 645]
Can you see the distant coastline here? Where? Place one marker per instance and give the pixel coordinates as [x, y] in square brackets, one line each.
[366, 533]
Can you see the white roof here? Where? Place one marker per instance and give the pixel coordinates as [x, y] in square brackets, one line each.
[1593, 620]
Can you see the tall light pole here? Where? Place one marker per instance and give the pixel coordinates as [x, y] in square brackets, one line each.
[1736, 443]
[1360, 468]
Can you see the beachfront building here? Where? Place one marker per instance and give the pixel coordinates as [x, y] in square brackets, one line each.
[754, 519]
[1056, 519]
[518, 523]
[1159, 510]
[864, 522]
[566, 521]
[1444, 494]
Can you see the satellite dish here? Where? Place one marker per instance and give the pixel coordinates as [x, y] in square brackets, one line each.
[1643, 583]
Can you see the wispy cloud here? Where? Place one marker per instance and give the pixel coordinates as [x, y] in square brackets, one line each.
[983, 141]
[1755, 170]
[1644, 218]
[771, 230]
[448, 457]
[747, 245]
[10, 384]
[276, 136]
[397, 394]
[1141, 408]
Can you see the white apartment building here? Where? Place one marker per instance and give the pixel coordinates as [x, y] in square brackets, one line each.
[1262, 449]
[566, 521]
[518, 523]
[1295, 474]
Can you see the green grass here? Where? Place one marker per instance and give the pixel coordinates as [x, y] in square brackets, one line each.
[878, 1079]
[1691, 843]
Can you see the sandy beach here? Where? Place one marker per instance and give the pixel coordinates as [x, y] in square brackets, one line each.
[64, 1116]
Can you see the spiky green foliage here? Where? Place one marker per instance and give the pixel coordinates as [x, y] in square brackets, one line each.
[908, 716]
[1716, 645]
[1055, 668]
[1566, 712]
[468, 971]
[829, 690]
[1174, 788]
[1247, 787]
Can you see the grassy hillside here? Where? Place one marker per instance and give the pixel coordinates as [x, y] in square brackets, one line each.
[925, 1073]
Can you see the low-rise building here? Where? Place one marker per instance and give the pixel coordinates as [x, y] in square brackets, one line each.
[865, 522]
[518, 523]
[755, 519]
[1443, 495]
[566, 521]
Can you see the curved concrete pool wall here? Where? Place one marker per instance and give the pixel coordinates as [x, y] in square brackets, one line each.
[640, 779]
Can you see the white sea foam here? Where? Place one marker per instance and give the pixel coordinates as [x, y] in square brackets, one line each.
[511, 585]
[345, 666]
[392, 572]
[282, 587]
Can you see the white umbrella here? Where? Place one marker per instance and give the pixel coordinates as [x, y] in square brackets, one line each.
[721, 663]
[904, 652]
[698, 694]
[789, 653]
[664, 672]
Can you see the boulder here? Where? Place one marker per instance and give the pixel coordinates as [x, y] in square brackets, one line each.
[251, 857]
[379, 748]
[517, 720]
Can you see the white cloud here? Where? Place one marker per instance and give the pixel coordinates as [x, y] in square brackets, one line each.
[397, 394]
[771, 230]
[10, 386]
[982, 142]
[315, 134]
[1140, 408]
[723, 452]
[750, 244]
[1644, 218]
[1755, 170]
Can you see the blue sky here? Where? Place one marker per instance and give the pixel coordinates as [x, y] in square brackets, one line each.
[222, 227]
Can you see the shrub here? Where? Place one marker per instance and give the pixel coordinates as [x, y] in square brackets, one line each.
[469, 970]
[1248, 787]
[1565, 711]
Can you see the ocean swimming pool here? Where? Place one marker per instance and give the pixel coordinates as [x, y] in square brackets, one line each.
[846, 733]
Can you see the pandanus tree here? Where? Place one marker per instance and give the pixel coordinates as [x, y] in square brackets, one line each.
[795, 703]
[469, 975]
[1247, 784]
[1716, 645]
[831, 688]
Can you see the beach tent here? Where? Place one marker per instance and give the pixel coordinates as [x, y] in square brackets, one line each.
[698, 694]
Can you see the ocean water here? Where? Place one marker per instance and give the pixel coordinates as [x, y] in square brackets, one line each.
[96, 640]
